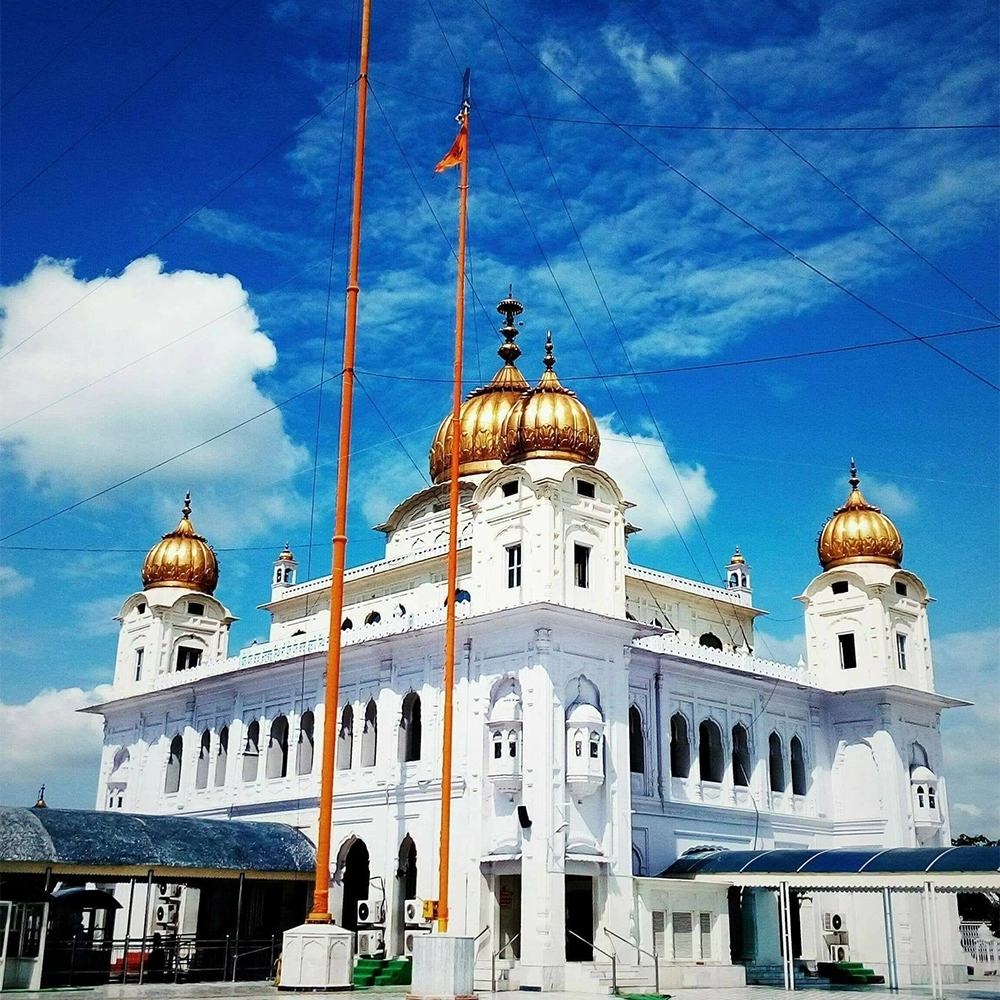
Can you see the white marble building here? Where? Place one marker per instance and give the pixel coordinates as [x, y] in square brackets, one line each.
[608, 716]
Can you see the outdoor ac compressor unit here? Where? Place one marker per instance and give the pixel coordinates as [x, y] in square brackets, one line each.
[413, 913]
[371, 942]
[408, 935]
[834, 923]
[371, 911]
[166, 914]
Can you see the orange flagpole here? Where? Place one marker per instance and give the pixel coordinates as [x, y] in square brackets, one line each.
[321, 895]
[449, 634]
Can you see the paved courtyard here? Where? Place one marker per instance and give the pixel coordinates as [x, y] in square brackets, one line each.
[264, 991]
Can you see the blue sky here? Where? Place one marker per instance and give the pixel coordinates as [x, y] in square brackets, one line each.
[161, 225]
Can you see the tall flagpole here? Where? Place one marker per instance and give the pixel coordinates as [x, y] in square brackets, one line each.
[449, 634]
[321, 895]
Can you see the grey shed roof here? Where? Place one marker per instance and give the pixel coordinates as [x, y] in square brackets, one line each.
[80, 839]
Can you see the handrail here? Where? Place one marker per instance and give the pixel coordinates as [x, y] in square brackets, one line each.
[612, 956]
[485, 930]
[493, 960]
[640, 951]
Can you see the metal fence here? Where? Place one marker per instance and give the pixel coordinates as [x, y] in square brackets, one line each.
[169, 959]
[981, 946]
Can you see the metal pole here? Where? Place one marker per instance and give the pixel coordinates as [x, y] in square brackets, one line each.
[239, 912]
[890, 941]
[321, 893]
[656, 970]
[614, 975]
[225, 960]
[145, 925]
[936, 939]
[128, 929]
[787, 962]
[456, 444]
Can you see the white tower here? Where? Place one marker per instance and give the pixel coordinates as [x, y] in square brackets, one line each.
[738, 578]
[284, 573]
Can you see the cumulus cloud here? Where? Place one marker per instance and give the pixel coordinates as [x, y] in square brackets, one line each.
[189, 390]
[66, 760]
[660, 490]
[12, 582]
[967, 665]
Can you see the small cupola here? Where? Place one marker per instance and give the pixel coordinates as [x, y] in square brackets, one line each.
[738, 572]
[584, 749]
[285, 568]
[503, 728]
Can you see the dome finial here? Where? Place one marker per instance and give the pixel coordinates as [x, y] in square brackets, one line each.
[509, 308]
[186, 509]
[854, 481]
[550, 359]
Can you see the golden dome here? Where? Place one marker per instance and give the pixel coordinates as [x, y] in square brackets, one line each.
[737, 559]
[286, 554]
[484, 412]
[181, 559]
[858, 532]
[551, 422]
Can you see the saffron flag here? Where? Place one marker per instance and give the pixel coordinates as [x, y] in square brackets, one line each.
[454, 155]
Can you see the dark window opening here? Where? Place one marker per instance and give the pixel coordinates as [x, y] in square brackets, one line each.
[188, 657]
[776, 763]
[595, 745]
[711, 640]
[581, 565]
[901, 589]
[138, 663]
[410, 728]
[141, 608]
[513, 566]
[636, 744]
[369, 735]
[901, 650]
[307, 743]
[741, 756]
[585, 489]
[510, 489]
[497, 746]
[251, 751]
[931, 800]
[346, 625]
[710, 751]
[196, 608]
[848, 654]
[799, 783]
[372, 618]
[223, 757]
[840, 587]
[172, 782]
[680, 747]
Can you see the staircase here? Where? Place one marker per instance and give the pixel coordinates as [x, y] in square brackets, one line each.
[589, 977]
[848, 973]
[378, 972]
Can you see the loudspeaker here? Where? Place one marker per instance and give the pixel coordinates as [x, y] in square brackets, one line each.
[522, 817]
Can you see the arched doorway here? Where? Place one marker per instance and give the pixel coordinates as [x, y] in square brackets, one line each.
[405, 888]
[354, 880]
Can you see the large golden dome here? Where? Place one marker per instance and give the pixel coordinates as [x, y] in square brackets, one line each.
[550, 422]
[859, 532]
[484, 411]
[181, 559]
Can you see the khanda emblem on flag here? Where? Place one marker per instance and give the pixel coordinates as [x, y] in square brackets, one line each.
[459, 148]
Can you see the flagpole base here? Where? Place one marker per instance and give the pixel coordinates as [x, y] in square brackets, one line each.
[443, 968]
[317, 957]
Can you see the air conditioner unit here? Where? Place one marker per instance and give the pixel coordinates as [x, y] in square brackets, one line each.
[408, 935]
[172, 890]
[840, 953]
[166, 914]
[371, 911]
[834, 922]
[413, 913]
[371, 942]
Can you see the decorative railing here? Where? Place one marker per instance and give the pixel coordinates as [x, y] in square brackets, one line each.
[981, 946]
[673, 645]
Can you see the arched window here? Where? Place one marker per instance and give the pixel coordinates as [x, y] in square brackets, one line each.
[920, 796]
[931, 798]
[276, 765]
[680, 746]
[799, 783]
[776, 763]
[372, 618]
[304, 758]
[345, 739]
[409, 728]
[399, 611]
[636, 744]
[205, 751]
[251, 751]
[497, 745]
[512, 741]
[369, 735]
[918, 756]
[741, 756]
[462, 597]
[711, 640]
[222, 760]
[346, 625]
[120, 765]
[173, 779]
[710, 751]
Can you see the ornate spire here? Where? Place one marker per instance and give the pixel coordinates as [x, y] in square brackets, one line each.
[41, 803]
[550, 359]
[186, 509]
[854, 481]
[509, 308]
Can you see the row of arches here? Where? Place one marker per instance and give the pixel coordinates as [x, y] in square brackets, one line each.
[711, 754]
[410, 734]
[399, 611]
[276, 754]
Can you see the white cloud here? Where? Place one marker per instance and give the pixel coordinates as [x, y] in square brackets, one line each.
[47, 741]
[894, 500]
[651, 72]
[12, 582]
[967, 665]
[770, 647]
[660, 490]
[182, 395]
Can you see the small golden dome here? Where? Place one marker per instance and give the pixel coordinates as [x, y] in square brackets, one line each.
[737, 559]
[859, 532]
[484, 412]
[286, 553]
[181, 559]
[551, 422]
